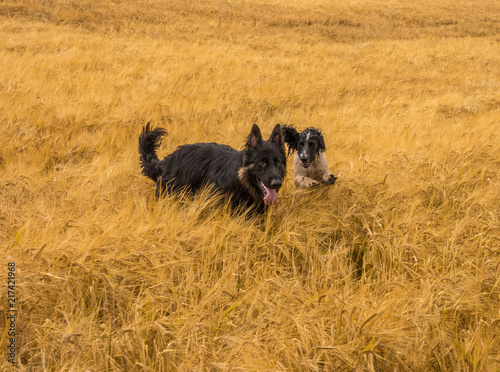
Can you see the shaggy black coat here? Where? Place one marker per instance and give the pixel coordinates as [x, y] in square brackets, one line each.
[250, 177]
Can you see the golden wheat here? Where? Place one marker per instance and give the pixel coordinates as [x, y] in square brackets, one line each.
[397, 267]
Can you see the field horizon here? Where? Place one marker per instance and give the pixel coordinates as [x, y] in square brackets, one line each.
[396, 267]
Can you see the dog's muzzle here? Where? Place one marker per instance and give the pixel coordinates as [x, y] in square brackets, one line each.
[305, 163]
[270, 194]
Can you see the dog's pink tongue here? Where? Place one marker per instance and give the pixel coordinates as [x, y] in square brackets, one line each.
[271, 198]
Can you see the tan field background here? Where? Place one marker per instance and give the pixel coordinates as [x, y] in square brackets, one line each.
[395, 268]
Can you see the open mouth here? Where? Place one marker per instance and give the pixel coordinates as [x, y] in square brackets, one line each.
[306, 165]
[270, 195]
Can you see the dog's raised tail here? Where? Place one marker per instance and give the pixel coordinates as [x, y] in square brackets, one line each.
[149, 141]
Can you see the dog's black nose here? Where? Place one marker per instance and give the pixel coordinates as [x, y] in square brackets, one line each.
[276, 183]
[304, 160]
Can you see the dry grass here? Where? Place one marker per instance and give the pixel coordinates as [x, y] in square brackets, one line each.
[395, 268]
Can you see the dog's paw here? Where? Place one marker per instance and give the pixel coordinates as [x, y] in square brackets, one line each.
[312, 184]
[330, 180]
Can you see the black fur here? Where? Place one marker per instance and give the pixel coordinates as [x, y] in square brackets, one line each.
[227, 170]
[291, 137]
[308, 143]
[149, 142]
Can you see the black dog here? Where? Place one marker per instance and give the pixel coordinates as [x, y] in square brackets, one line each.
[252, 177]
[311, 166]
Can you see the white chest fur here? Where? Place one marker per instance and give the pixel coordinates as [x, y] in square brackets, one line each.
[316, 172]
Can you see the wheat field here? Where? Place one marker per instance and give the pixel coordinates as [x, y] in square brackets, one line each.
[394, 268]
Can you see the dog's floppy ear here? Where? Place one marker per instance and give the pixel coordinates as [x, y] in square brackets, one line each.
[321, 141]
[277, 137]
[254, 138]
[291, 137]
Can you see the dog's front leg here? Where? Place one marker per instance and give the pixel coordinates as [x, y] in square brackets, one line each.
[322, 168]
[304, 182]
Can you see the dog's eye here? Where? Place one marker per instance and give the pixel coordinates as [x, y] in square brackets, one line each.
[311, 144]
[262, 163]
[278, 163]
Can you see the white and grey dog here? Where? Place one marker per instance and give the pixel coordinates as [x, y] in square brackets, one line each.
[310, 164]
